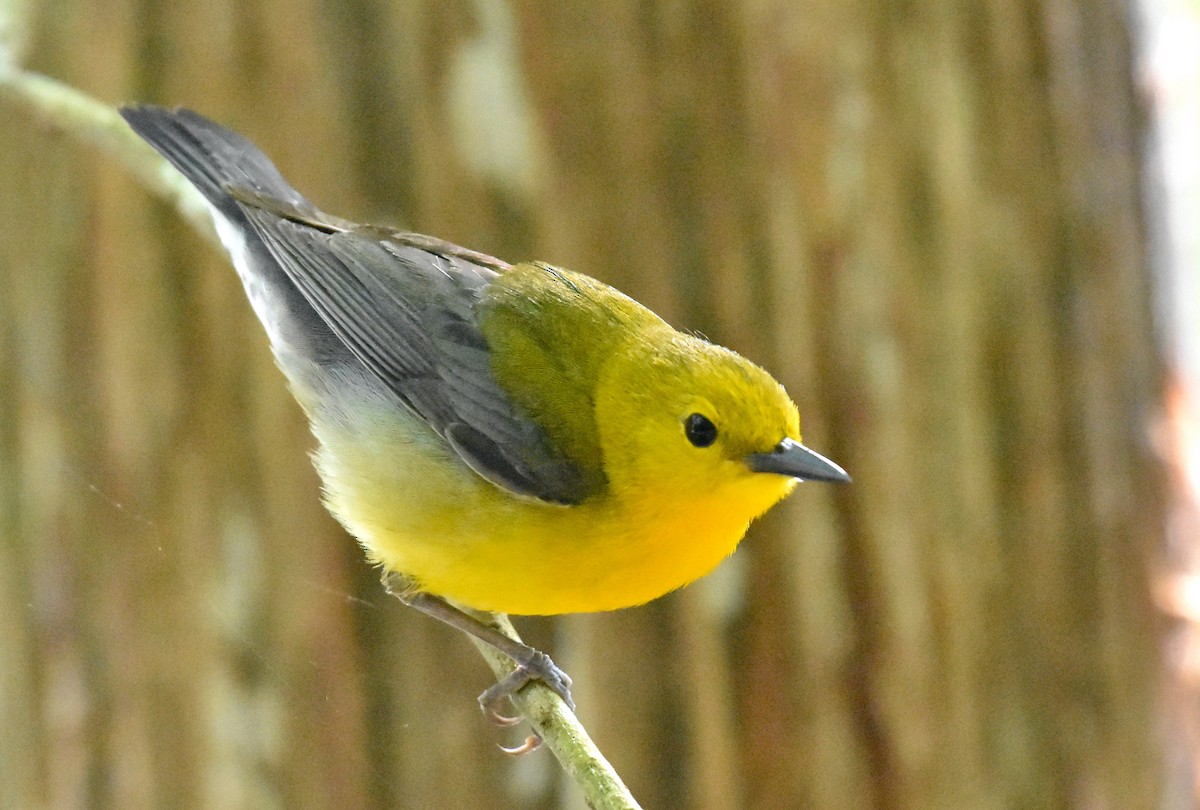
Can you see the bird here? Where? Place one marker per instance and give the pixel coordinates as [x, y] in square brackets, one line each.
[499, 437]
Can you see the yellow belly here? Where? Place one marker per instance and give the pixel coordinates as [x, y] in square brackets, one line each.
[419, 511]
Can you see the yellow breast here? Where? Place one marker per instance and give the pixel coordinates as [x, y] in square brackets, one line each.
[420, 512]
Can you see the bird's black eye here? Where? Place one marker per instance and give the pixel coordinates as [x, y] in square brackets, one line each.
[700, 430]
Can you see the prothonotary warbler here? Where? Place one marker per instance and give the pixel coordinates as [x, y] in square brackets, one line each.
[515, 438]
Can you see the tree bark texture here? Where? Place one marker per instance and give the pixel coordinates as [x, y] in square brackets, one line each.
[924, 217]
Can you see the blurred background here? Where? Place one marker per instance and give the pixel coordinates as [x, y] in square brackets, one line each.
[962, 235]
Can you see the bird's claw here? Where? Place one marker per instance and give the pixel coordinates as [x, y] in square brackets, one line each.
[497, 717]
[537, 667]
[532, 743]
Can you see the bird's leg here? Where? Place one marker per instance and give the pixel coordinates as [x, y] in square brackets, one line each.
[532, 664]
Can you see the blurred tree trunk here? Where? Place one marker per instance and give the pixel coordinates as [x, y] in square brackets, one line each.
[923, 217]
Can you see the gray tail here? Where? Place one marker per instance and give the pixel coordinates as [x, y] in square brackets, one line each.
[210, 156]
[214, 160]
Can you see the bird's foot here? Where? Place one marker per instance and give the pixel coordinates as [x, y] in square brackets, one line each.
[532, 666]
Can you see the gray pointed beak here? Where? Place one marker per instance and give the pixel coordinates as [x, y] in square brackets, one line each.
[792, 458]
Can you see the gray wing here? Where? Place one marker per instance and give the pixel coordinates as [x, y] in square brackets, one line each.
[408, 315]
[400, 304]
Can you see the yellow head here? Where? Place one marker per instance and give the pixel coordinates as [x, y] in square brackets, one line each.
[687, 425]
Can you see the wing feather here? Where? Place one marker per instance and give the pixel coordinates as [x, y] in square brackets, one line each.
[409, 316]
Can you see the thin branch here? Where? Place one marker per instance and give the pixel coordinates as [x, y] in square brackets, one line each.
[99, 125]
[79, 115]
[562, 733]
